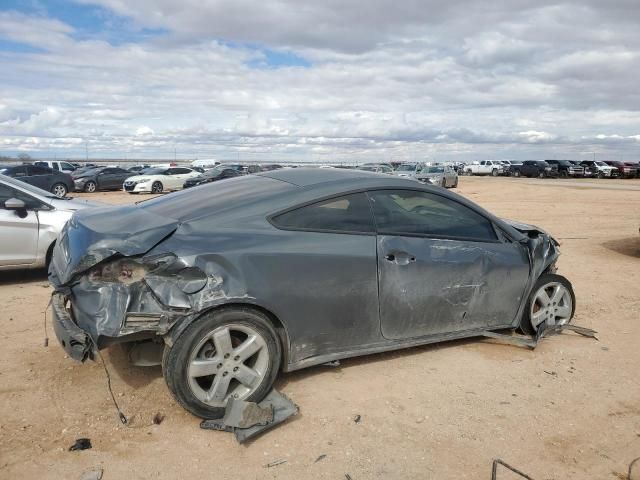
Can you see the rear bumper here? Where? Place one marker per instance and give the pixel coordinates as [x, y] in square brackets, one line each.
[75, 341]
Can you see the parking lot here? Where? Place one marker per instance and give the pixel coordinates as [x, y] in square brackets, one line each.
[568, 410]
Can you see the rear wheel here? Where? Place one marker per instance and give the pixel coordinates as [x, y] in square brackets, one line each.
[552, 302]
[90, 187]
[229, 353]
[59, 190]
[156, 187]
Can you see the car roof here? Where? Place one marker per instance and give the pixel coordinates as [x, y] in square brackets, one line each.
[307, 177]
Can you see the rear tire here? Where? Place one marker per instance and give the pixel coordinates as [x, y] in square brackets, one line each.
[186, 364]
[516, 173]
[59, 190]
[559, 308]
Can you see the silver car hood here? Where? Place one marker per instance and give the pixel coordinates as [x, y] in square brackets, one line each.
[73, 204]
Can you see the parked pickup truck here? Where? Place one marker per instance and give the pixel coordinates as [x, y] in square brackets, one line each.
[600, 169]
[624, 170]
[566, 168]
[485, 167]
[534, 168]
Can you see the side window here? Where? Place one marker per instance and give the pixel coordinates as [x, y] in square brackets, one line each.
[182, 170]
[39, 170]
[350, 213]
[67, 166]
[407, 212]
[20, 171]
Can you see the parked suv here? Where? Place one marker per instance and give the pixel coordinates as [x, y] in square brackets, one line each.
[566, 168]
[58, 183]
[624, 170]
[534, 168]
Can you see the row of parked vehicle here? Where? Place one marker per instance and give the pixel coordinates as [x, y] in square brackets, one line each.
[555, 168]
[60, 178]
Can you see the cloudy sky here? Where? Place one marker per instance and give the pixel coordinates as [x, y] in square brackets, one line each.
[324, 80]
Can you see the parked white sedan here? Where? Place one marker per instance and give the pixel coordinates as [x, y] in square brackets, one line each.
[158, 180]
[30, 221]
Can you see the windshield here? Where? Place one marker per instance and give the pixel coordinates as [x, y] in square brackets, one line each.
[406, 168]
[602, 164]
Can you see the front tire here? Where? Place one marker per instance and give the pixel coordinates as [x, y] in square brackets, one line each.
[516, 173]
[552, 302]
[494, 172]
[233, 352]
[157, 187]
[90, 187]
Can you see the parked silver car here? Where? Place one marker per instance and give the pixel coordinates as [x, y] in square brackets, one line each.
[30, 221]
[441, 175]
[408, 169]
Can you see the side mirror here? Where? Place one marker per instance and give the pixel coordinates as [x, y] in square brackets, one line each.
[14, 204]
[17, 206]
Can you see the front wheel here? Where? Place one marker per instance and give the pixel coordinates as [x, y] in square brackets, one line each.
[90, 187]
[229, 353]
[156, 187]
[516, 173]
[552, 302]
[494, 172]
[59, 190]
[455, 183]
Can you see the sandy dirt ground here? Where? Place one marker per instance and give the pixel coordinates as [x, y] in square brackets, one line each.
[568, 410]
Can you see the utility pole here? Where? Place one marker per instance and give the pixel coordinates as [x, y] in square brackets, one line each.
[175, 155]
[86, 151]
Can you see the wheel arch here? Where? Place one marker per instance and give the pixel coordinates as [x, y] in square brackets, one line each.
[276, 323]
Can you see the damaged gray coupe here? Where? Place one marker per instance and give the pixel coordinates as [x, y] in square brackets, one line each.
[282, 270]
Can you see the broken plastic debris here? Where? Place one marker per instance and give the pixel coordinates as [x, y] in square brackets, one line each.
[273, 410]
[81, 444]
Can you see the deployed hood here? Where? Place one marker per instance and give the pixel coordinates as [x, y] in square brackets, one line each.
[93, 235]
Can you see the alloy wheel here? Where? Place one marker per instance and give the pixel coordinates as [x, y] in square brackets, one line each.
[230, 361]
[59, 190]
[551, 305]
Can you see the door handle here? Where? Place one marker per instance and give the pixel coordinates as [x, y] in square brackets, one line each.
[400, 258]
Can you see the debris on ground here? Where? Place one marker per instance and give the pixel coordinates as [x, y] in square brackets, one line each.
[347, 476]
[249, 419]
[533, 341]
[494, 469]
[81, 444]
[275, 464]
[94, 474]
[357, 418]
[321, 457]
[158, 418]
[552, 373]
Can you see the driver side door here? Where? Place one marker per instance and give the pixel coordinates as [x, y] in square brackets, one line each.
[442, 267]
[18, 230]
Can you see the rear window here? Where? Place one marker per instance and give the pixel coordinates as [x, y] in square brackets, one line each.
[349, 213]
[215, 197]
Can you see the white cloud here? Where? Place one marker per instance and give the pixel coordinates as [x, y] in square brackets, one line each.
[424, 78]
